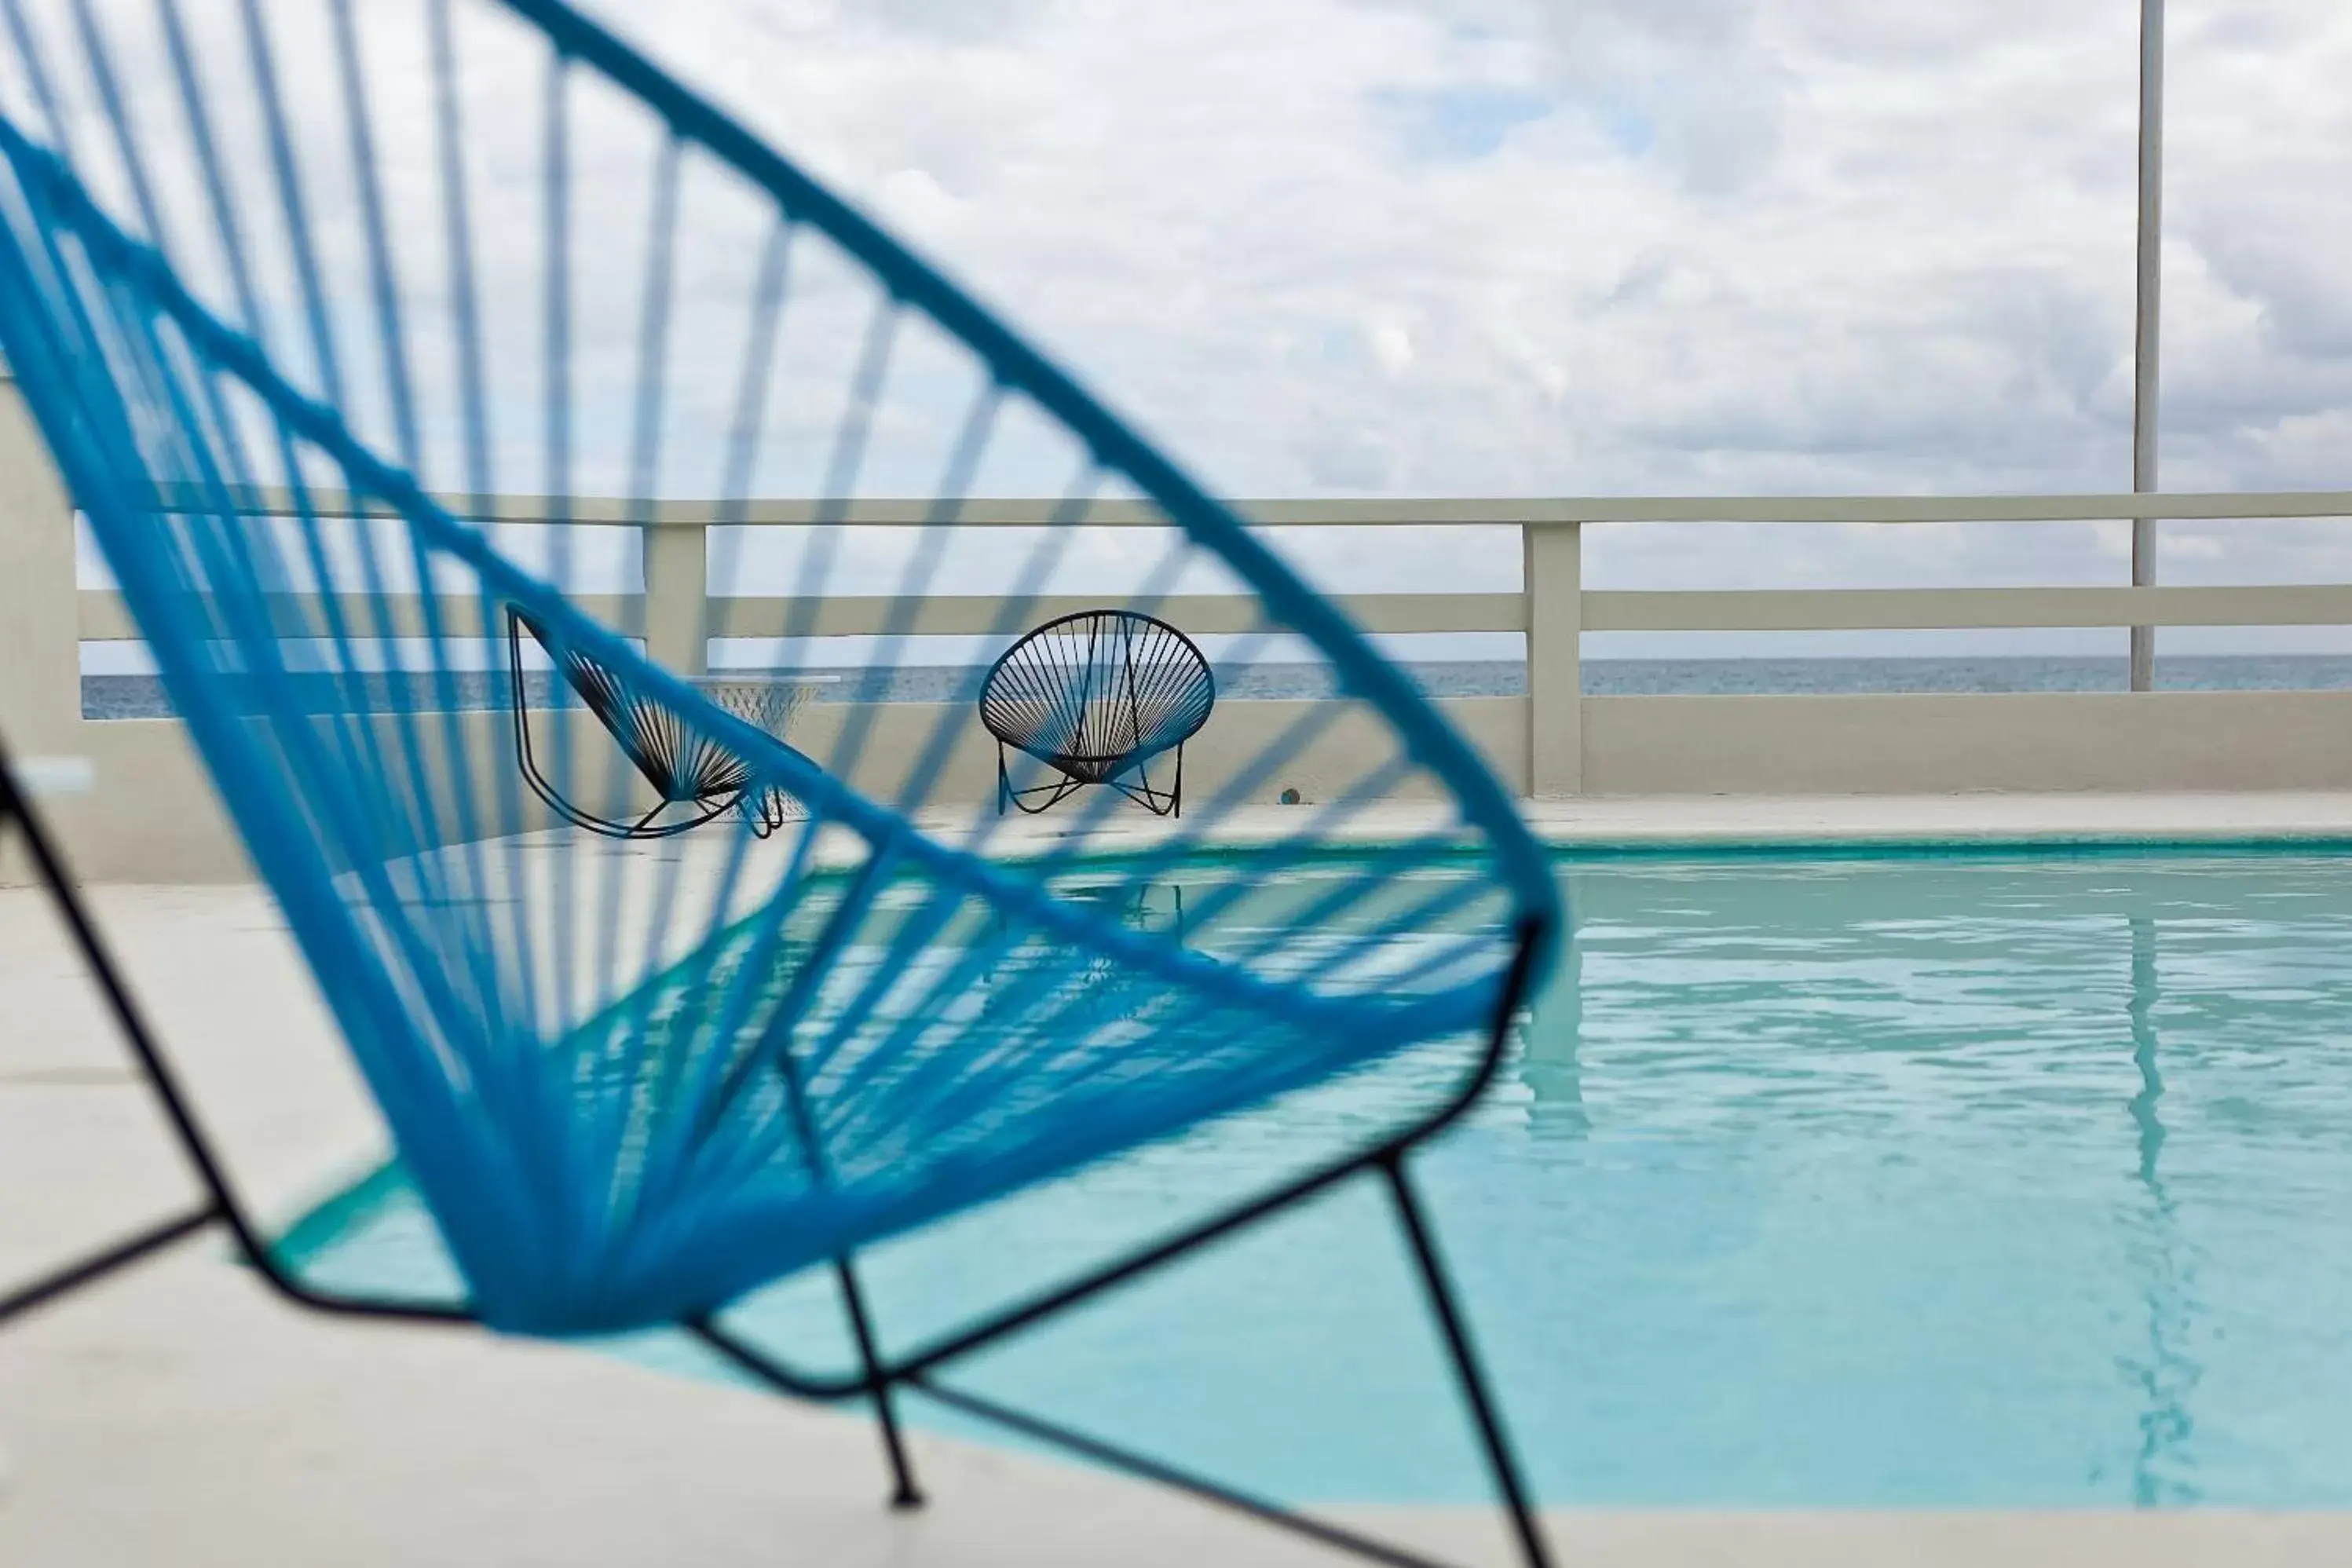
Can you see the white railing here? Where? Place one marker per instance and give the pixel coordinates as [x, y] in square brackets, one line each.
[1552, 609]
[150, 813]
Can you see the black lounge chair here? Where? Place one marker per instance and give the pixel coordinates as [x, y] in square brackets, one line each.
[696, 779]
[1098, 697]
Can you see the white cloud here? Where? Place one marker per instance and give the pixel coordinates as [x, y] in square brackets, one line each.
[1393, 348]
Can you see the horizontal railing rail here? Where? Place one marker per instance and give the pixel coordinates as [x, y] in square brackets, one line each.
[104, 618]
[1498, 511]
[1925, 609]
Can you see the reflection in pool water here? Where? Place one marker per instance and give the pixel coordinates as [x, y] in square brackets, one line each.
[1904, 1180]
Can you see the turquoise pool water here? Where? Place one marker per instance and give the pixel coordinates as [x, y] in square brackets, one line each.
[1896, 1181]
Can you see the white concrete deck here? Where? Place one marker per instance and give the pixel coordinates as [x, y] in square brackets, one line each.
[181, 1415]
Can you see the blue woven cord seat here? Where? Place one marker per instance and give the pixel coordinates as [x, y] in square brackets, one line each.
[595, 1162]
[1040, 1068]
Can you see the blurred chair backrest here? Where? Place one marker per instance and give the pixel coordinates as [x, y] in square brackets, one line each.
[289, 292]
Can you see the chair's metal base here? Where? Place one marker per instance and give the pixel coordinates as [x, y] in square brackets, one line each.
[919, 1371]
[1169, 802]
[879, 1377]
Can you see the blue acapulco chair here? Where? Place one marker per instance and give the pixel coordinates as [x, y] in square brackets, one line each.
[285, 321]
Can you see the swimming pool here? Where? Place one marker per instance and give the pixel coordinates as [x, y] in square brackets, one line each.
[1916, 1178]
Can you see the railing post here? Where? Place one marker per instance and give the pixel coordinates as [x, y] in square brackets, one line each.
[40, 625]
[1552, 576]
[40, 630]
[677, 575]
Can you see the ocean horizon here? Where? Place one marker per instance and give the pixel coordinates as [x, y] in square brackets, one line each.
[130, 696]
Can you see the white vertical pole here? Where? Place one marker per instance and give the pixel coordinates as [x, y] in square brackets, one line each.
[2146, 333]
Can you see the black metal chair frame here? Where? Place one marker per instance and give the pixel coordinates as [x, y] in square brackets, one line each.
[1111, 770]
[686, 770]
[879, 1377]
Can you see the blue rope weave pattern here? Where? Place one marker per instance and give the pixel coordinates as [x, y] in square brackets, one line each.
[296, 292]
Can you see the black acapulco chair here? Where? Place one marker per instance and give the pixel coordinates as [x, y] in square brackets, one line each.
[1098, 697]
[696, 779]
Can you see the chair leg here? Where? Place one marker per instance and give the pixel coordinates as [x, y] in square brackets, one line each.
[1054, 793]
[1143, 1467]
[1084, 1445]
[917, 1369]
[89, 1271]
[904, 1493]
[1500, 1459]
[220, 1204]
[1140, 789]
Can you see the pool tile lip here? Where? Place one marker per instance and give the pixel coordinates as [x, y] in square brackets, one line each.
[2305, 821]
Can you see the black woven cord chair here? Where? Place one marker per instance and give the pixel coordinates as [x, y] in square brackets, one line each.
[696, 779]
[1098, 697]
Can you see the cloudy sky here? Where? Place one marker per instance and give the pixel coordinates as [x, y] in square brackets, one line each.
[1465, 247]
[1522, 247]
[1506, 246]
